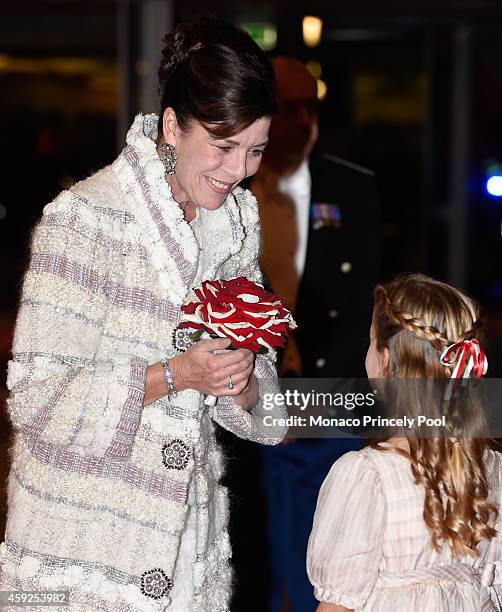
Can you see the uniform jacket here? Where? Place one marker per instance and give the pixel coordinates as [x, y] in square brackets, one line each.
[100, 486]
[334, 294]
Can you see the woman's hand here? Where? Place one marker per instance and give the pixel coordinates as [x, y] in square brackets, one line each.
[202, 369]
[207, 367]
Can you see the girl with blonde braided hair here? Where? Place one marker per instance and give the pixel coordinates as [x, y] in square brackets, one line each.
[412, 523]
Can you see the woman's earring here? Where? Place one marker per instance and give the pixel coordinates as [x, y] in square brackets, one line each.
[168, 157]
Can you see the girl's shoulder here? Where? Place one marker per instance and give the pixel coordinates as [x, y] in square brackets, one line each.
[384, 453]
[373, 455]
[380, 471]
[493, 458]
[383, 463]
[391, 464]
[353, 470]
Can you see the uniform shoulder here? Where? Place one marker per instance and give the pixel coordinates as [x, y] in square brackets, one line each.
[350, 186]
[344, 165]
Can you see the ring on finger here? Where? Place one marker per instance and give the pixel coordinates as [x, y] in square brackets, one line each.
[230, 383]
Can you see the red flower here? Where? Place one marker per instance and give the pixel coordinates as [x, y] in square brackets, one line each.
[241, 310]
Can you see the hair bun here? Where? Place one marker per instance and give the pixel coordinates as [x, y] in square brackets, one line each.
[178, 46]
[215, 73]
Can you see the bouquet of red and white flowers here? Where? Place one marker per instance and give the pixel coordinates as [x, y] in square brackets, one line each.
[239, 309]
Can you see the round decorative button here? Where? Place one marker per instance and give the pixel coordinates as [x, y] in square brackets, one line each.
[320, 363]
[176, 454]
[182, 339]
[155, 583]
[346, 267]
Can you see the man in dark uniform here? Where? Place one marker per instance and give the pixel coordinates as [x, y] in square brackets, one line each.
[321, 251]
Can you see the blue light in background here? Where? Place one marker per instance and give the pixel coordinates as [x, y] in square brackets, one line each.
[494, 186]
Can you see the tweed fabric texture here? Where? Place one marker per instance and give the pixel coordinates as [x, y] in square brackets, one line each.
[94, 507]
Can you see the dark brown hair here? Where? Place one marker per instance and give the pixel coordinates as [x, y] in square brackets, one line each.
[215, 73]
[416, 317]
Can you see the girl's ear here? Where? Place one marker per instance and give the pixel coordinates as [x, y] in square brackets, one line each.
[170, 126]
[385, 361]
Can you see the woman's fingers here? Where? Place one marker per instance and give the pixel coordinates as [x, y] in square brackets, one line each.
[208, 367]
[238, 376]
[227, 358]
[238, 370]
[212, 345]
[237, 388]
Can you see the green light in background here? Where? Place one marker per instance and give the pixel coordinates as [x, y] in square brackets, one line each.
[264, 34]
[492, 166]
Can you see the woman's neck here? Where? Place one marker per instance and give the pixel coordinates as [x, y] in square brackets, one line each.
[189, 211]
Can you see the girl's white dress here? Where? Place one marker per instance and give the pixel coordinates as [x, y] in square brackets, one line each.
[370, 548]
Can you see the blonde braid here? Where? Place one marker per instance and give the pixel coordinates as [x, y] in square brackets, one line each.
[457, 509]
[438, 339]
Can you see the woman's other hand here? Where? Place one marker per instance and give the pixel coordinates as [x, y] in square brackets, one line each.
[250, 395]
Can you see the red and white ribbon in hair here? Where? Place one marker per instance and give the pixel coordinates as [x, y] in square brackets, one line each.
[464, 357]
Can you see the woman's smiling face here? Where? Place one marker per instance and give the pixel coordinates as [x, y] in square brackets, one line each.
[207, 168]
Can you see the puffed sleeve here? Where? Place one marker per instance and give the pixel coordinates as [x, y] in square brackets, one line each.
[61, 392]
[489, 562]
[345, 545]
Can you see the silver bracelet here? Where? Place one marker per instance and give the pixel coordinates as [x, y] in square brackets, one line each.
[169, 378]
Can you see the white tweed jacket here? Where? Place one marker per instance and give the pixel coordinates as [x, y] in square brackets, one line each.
[100, 486]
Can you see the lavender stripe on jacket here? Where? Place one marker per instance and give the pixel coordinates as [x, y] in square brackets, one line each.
[102, 491]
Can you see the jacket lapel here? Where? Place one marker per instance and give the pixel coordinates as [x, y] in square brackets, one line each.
[165, 233]
[220, 236]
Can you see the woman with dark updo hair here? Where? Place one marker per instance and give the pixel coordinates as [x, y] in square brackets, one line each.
[114, 495]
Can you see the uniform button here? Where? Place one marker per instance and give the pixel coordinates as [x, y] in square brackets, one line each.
[333, 313]
[320, 363]
[346, 267]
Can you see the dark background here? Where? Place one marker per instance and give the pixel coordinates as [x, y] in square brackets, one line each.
[414, 91]
[411, 86]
